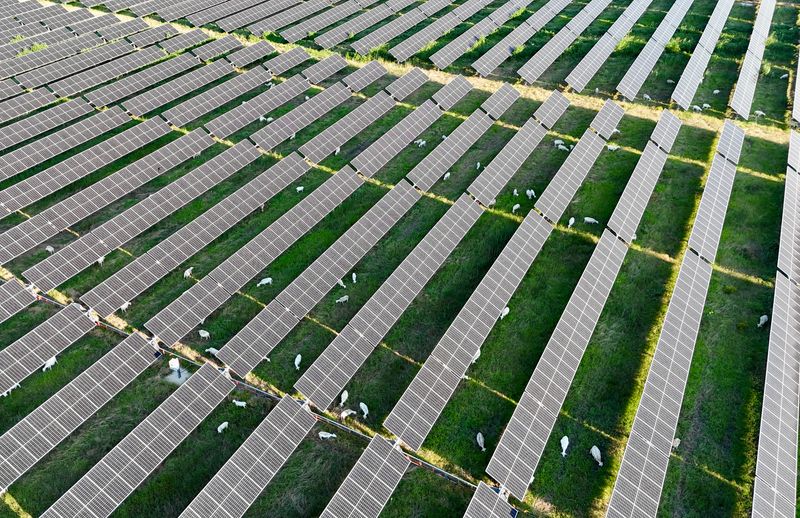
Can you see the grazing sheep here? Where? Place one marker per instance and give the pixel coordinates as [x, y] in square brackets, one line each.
[49, 249]
[479, 440]
[343, 398]
[270, 119]
[706, 106]
[364, 409]
[262, 119]
[505, 312]
[784, 76]
[49, 364]
[212, 351]
[763, 320]
[447, 175]
[93, 316]
[444, 137]
[205, 335]
[297, 360]
[7, 392]
[571, 222]
[597, 90]
[342, 300]
[423, 143]
[354, 277]
[240, 404]
[340, 282]
[571, 147]
[595, 451]
[101, 261]
[530, 193]
[759, 113]
[647, 97]
[125, 307]
[307, 97]
[670, 82]
[558, 142]
[418, 141]
[477, 166]
[564, 445]
[325, 436]
[615, 131]
[221, 428]
[347, 413]
[299, 188]
[675, 443]
[590, 221]
[516, 192]
[563, 148]
[338, 150]
[696, 108]
[188, 272]
[515, 208]
[264, 282]
[613, 147]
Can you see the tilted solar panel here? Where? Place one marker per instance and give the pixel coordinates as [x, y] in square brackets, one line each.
[14, 297]
[487, 503]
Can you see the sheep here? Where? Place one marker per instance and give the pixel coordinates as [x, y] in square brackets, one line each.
[418, 142]
[299, 189]
[613, 147]
[446, 175]
[125, 307]
[696, 108]
[262, 119]
[343, 397]
[784, 76]
[212, 351]
[240, 404]
[615, 131]
[505, 312]
[188, 272]
[597, 90]
[571, 147]
[444, 137]
[221, 428]
[706, 106]
[530, 193]
[715, 92]
[563, 148]
[515, 208]
[307, 97]
[676, 443]
[647, 97]
[270, 119]
[364, 409]
[477, 166]
[49, 364]
[293, 135]
[265, 281]
[564, 445]
[670, 82]
[479, 440]
[325, 436]
[763, 320]
[93, 316]
[7, 392]
[759, 113]
[558, 142]
[347, 413]
[205, 335]
[342, 300]
[354, 277]
[571, 222]
[297, 360]
[590, 221]
[516, 192]
[49, 249]
[338, 150]
[340, 282]
[423, 143]
[595, 451]
[101, 260]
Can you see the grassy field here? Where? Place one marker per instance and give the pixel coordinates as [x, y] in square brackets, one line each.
[711, 474]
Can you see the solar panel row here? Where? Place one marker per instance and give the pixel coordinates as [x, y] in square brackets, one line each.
[250, 54]
[32, 60]
[254, 13]
[461, 44]
[325, 19]
[289, 16]
[487, 503]
[24, 104]
[14, 297]
[178, 10]
[217, 47]
[184, 41]
[152, 35]
[360, 23]
[398, 26]
[789, 250]
[123, 29]
[745, 89]
[220, 11]
[13, 49]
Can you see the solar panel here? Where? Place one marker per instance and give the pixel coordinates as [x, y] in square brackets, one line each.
[289, 16]
[41, 13]
[607, 119]
[148, 7]
[336, 135]
[184, 41]
[142, 80]
[25, 103]
[92, 24]
[713, 206]
[81, 165]
[179, 87]
[287, 61]
[338, 363]
[152, 35]
[103, 73]
[128, 464]
[199, 105]
[487, 503]
[28, 441]
[63, 214]
[299, 118]
[427, 34]
[178, 10]
[254, 13]
[14, 297]
[522, 444]
[500, 101]
[551, 109]
[250, 54]
[370, 483]
[27, 354]
[423, 401]
[32, 60]
[320, 21]
[793, 159]
[796, 99]
[456, 48]
[220, 11]
[504, 166]
[48, 38]
[64, 19]
[217, 47]
[745, 89]
[321, 70]
[730, 141]
[245, 475]
[788, 256]
[666, 131]
[776, 463]
[591, 62]
[562, 188]
[172, 323]
[391, 30]
[768, 504]
[349, 28]
[82, 253]
[388, 145]
[692, 75]
[637, 489]
[364, 76]
[123, 29]
[547, 55]
[249, 111]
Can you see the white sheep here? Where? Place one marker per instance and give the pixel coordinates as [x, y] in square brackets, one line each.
[101, 260]
[530, 193]
[670, 82]
[240, 404]
[615, 131]
[340, 282]
[188, 272]
[338, 150]
[595, 451]
[647, 97]
[763, 320]
[307, 97]
[479, 440]
[590, 221]
[342, 300]
[515, 208]
[696, 108]
[49, 249]
[516, 192]
[444, 137]
[784, 76]
[558, 142]
[477, 166]
[364, 409]
[293, 135]
[676, 443]
[347, 413]
[613, 147]
[715, 92]
[562, 148]
[297, 360]
[423, 143]
[270, 119]
[354, 277]
[447, 175]
[759, 113]
[564, 445]
[212, 351]
[571, 147]
[343, 397]
[125, 307]
[505, 312]
[571, 222]
[7, 392]
[221, 428]
[418, 141]
[299, 188]
[597, 90]
[264, 281]
[325, 436]
[49, 364]
[262, 119]
[205, 335]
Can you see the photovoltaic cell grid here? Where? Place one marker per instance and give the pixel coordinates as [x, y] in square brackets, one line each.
[27, 354]
[217, 47]
[606, 120]
[14, 297]
[250, 54]
[123, 29]
[217, 12]
[289, 16]
[25, 103]
[60, 216]
[551, 109]
[322, 20]
[445, 56]
[178, 10]
[500, 101]
[111, 480]
[256, 12]
[789, 250]
[776, 465]
[370, 483]
[321, 70]
[142, 273]
[287, 61]
[36, 434]
[364, 76]
[742, 98]
[32, 60]
[637, 489]
[423, 401]
[184, 41]
[153, 35]
[398, 26]
[42, 122]
[338, 363]
[523, 441]
[245, 475]
[355, 25]
[80, 254]
[487, 503]
[13, 49]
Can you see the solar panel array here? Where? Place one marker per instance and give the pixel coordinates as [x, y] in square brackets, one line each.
[487, 503]
[14, 297]
[184, 41]
[554, 47]
[121, 470]
[23, 356]
[637, 489]
[355, 25]
[695, 69]
[28, 441]
[24, 104]
[42, 122]
[745, 89]
[398, 26]
[152, 35]
[788, 252]
[245, 475]
[52, 53]
[250, 54]
[217, 47]
[289, 16]
[254, 13]
[325, 19]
